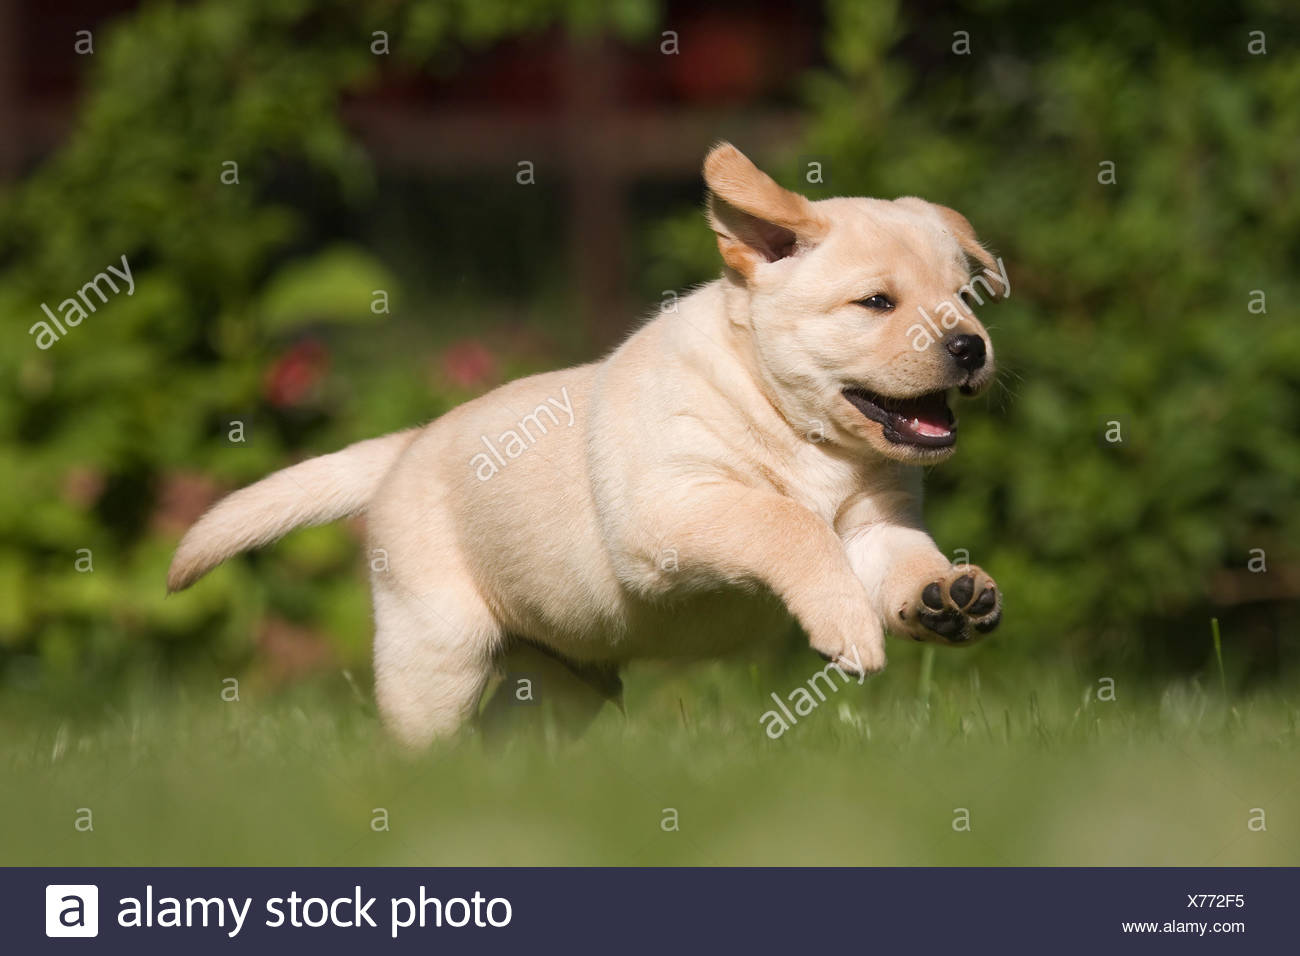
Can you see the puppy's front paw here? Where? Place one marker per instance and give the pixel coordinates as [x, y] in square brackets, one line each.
[857, 654]
[857, 658]
[855, 663]
[959, 608]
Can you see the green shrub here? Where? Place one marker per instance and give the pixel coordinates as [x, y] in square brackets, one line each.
[195, 117]
[1131, 302]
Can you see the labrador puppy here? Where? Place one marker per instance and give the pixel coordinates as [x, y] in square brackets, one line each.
[753, 453]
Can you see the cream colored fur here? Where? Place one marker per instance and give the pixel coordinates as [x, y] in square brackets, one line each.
[683, 496]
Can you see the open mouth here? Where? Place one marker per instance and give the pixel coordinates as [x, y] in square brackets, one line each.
[924, 420]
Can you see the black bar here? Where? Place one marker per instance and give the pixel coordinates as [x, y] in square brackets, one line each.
[670, 910]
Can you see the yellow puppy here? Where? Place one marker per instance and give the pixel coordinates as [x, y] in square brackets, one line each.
[749, 456]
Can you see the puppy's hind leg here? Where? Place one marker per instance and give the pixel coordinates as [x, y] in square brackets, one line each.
[433, 656]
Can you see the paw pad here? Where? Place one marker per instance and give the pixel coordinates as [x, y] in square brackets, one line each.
[959, 607]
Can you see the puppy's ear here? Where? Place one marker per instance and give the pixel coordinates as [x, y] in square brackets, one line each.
[755, 220]
[961, 229]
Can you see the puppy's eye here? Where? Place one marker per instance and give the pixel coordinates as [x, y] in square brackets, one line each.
[880, 303]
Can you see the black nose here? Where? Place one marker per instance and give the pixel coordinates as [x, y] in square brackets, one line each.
[967, 351]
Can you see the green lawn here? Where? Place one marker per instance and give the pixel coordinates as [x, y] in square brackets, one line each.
[874, 775]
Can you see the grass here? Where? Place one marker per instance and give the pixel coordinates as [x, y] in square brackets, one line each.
[1050, 775]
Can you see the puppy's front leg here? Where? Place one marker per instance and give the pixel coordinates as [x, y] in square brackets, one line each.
[744, 534]
[919, 592]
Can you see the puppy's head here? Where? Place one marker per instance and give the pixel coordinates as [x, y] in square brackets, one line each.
[858, 310]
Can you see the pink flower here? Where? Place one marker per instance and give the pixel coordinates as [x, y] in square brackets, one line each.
[469, 364]
[296, 373]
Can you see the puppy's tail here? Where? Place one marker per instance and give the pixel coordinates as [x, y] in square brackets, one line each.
[312, 492]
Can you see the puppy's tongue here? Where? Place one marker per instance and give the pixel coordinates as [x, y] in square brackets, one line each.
[933, 429]
[924, 417]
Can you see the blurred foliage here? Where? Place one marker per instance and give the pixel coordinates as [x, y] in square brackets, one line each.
[1130, 302]
[207, 133]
